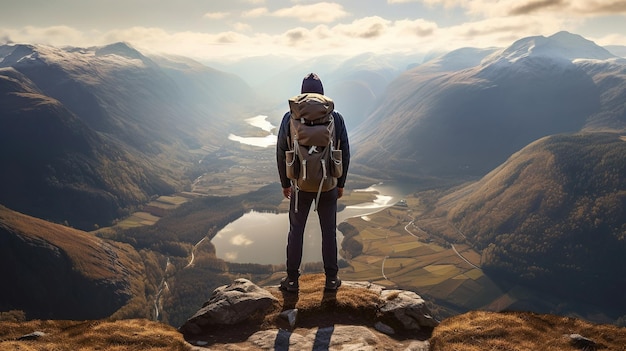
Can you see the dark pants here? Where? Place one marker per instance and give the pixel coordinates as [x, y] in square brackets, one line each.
[327, 214]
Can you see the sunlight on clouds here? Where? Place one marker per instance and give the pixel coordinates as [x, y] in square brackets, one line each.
[54, 35]
[491, 8]
[242, 27]
[598, 6]
[258, 12]
[501, 31]
[331, 29]
[368, 27]
[323, 12]
[419, 27]
[611, 39]
[240, 240]
[215, 15]
[231, 256]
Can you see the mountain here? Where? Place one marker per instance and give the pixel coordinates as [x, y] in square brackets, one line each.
[550, 218]
[87, 134]
[49, 270]
[466, 112]
[354, 83]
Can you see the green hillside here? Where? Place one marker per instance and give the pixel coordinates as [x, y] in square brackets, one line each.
[553, 217]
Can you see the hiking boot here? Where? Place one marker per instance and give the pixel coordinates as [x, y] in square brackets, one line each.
[289, 284]
[332, 283]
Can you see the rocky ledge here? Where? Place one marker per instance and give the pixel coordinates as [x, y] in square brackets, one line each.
[359, 316]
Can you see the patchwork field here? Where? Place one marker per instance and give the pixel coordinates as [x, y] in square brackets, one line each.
[395, 257]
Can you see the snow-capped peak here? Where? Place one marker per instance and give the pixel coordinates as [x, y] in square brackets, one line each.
[560, 46]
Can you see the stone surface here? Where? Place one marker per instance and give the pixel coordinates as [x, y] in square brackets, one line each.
[230, 304]
[401, 313]
[408, 308]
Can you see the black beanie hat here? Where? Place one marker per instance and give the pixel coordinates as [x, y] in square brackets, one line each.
[312, 84]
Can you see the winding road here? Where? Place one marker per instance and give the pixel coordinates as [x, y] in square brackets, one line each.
[412, 223]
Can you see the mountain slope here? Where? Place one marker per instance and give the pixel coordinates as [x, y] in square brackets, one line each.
[54, 272]
[56, 167]
[553, 218]
[90, 133]
[460, 117]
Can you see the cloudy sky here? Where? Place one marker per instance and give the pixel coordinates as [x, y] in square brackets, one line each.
[229, 29]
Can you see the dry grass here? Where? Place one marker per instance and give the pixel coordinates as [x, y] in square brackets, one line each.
[121, 335]
[349, 305]
[358, 306]
[521, 331]
[90, 255]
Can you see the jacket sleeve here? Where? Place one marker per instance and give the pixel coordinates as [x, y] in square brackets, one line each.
[344, 146]
[282, 145]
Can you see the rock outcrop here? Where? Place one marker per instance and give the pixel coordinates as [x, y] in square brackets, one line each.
[359, 316]
[230, 304]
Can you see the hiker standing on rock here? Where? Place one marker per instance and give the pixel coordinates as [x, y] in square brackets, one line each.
[313, 155]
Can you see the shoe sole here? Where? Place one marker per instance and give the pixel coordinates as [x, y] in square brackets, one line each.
[288, 289]
[328, 288]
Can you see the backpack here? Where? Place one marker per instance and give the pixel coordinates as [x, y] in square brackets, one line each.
[313, 162]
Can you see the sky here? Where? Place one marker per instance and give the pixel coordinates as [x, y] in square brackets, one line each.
[233, 29]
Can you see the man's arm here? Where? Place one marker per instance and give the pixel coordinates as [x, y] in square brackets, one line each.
[344, 146]
[282, 145]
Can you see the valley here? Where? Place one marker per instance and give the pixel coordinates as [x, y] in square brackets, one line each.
[395, 251]
[517, 185]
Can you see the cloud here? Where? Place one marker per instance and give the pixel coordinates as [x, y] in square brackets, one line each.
[534, 6]
[368, 27]
[242, 27]
[240, 240]
[53, 35]
[489, 8]
[322, 12]
[215, 15]
[257, 12]
[600, 7]
[419, 27]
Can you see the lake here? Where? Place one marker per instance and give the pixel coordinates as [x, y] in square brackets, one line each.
[260, 237]
[261, 122]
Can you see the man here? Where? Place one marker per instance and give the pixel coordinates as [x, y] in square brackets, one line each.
[300, 202]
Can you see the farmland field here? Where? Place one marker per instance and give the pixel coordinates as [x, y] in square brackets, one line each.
[395, 257]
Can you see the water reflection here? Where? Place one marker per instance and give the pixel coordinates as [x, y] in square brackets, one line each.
[261, 237]
[261, 122]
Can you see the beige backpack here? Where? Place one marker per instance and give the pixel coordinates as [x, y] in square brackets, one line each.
[313, 161]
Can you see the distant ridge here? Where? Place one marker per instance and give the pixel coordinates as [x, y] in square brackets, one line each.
[464, 113]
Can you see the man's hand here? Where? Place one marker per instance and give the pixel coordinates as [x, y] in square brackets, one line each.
[287, 192]
[339, 193]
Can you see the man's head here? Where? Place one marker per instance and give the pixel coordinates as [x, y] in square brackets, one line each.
[312, 84]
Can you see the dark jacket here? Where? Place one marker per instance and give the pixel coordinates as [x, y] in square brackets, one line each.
[282, 145]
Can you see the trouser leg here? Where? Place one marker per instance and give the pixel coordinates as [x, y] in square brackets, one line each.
[295, 238]
[327, 214]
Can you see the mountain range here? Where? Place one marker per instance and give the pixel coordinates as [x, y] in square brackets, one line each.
[464, 113]
[88, 134]
[532, 132]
